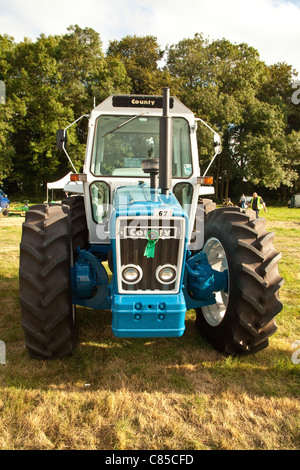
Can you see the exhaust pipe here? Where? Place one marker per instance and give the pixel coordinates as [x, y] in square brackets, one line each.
[165, 145]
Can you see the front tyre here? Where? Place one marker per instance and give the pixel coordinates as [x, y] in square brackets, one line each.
[48, 318]
[242, 319]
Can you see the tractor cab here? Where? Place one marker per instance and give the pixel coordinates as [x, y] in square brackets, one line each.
[123, 132]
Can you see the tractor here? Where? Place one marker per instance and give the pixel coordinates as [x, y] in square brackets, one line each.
[145, 240]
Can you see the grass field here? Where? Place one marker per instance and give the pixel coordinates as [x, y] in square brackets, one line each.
[155, 394]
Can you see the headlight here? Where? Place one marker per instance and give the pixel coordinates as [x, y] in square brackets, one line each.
[131, 274]
[166, 274]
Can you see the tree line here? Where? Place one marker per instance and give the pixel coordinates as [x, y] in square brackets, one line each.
[52, 81]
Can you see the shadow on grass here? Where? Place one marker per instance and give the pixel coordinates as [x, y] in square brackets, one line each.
[186, 365]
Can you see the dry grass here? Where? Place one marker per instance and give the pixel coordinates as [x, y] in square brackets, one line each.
[149, 394]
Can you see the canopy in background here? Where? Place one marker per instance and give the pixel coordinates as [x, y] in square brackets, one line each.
[66, 184]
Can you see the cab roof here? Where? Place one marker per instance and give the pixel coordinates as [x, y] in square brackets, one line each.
[148, 104]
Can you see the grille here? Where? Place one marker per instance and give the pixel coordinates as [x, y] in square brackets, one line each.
[131, 242]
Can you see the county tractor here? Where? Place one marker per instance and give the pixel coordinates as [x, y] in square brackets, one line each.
[144, 240]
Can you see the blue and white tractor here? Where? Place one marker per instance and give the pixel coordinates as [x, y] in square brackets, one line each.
[145, 241]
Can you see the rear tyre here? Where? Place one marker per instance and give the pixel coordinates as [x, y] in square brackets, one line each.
[48, 318]
[242, 320]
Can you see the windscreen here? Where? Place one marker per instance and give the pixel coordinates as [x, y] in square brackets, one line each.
[121, 143]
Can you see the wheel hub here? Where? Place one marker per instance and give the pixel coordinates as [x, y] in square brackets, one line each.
[217, 259]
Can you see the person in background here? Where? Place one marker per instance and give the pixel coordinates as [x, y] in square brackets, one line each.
[243, 201]
[257, 204]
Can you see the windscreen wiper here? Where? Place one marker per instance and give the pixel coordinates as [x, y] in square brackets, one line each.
[123, 124]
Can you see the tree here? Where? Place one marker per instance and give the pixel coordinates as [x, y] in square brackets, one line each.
[52, 82]
[225, 84]
[33, 85]
[7, 150]
[141, 57]
[278, 89]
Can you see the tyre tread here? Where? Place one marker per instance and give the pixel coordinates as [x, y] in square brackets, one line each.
[256, 283]
[45, 290]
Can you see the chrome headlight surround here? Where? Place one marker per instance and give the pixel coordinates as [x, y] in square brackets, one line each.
[131, 274]
[166, 274]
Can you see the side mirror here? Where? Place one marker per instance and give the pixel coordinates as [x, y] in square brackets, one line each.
[61, 138]
[217, 143]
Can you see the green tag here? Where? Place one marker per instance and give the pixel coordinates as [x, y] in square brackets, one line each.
[150, 248]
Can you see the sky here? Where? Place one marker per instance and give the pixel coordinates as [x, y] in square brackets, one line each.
[270, 26]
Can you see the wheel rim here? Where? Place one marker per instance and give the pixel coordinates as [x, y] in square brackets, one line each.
[214, 314]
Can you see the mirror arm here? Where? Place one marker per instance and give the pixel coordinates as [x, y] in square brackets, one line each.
[218, 139]
[64, 149]
[216, 153]
[63, 144]
[78, 119]
[205, 123]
